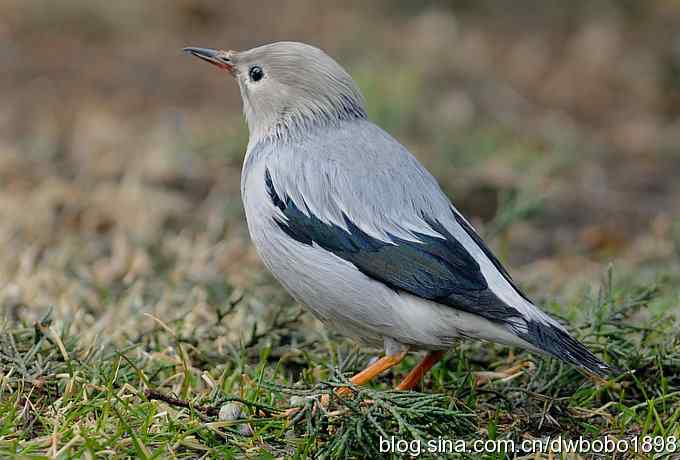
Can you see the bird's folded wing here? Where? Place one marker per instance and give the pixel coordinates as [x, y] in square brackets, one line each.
[415, 253]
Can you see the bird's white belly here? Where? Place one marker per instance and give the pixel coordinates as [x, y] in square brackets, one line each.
[333, 291]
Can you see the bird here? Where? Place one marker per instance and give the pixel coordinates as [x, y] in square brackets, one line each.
[355, 228]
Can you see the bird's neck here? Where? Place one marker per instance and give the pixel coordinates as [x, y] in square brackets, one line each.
[292, 125]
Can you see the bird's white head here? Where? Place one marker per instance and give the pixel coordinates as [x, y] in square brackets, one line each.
[288, 88]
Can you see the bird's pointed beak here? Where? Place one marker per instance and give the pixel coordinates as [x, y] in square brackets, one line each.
[219, 58]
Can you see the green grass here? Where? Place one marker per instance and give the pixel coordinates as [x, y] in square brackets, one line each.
[60, 397]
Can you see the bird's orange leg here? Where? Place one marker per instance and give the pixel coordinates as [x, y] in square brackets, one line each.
[417, 373]
[373, 370]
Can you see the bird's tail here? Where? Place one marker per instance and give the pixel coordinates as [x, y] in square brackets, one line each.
[553, 340]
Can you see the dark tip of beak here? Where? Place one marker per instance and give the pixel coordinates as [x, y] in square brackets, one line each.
[218, 58]
[203, 53]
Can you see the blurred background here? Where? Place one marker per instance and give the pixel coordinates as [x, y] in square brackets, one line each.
[555, 126]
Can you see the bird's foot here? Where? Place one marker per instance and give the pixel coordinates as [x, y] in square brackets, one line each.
[316, 403]
[301, 404]
[361, 378]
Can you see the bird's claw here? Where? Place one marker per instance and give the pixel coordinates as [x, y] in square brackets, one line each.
[318, 402]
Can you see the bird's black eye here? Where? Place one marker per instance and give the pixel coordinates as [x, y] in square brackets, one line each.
[256, 73]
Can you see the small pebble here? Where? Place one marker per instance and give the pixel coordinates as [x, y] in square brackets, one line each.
[230, 411]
